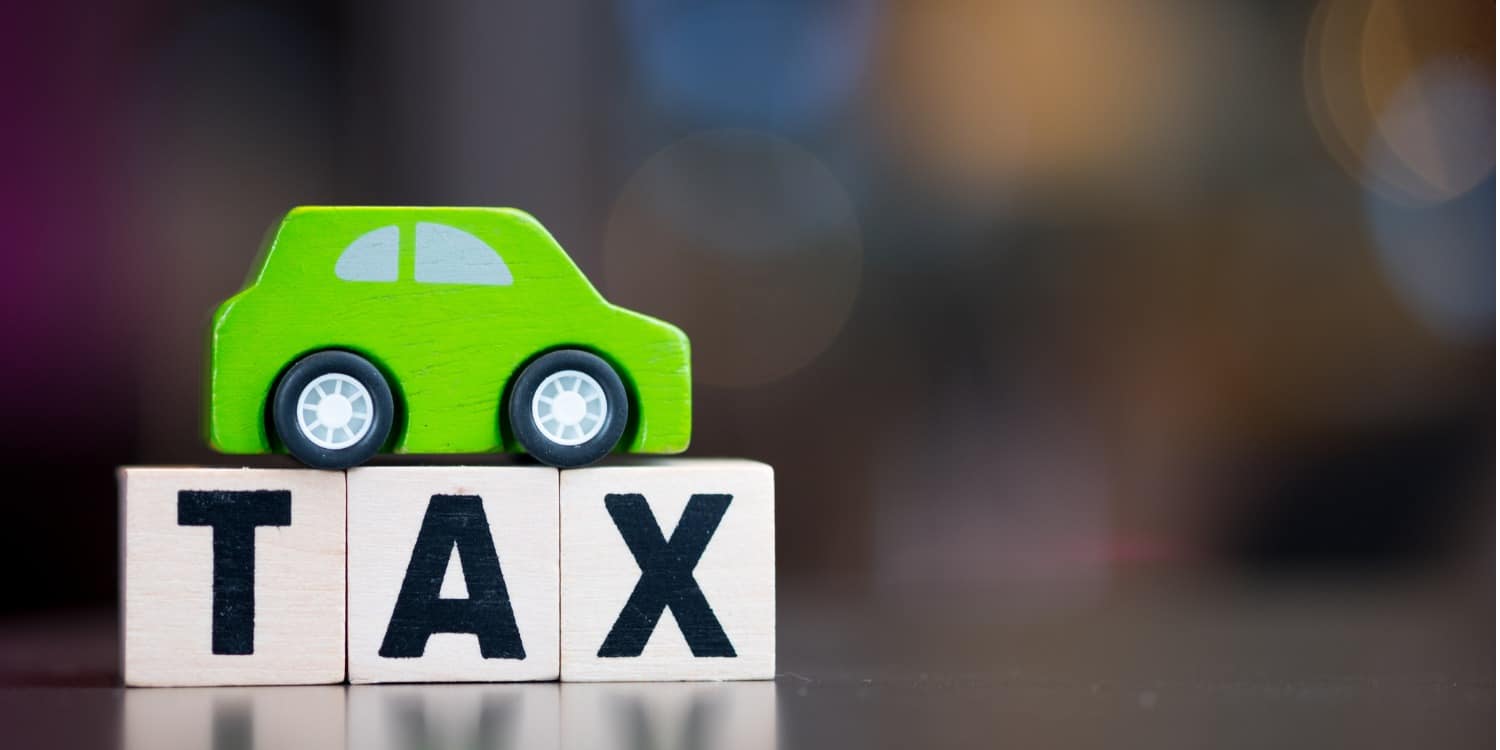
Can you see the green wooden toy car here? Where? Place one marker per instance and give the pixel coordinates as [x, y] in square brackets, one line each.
[437, 330]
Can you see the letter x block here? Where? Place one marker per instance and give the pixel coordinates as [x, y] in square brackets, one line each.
[232, 576]
[668, 571]
[453, 574]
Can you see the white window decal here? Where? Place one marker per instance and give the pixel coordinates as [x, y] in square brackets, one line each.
[446, 255]
[370, 257]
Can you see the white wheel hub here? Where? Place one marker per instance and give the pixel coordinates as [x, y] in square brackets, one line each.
[334, 411]
[569, 407]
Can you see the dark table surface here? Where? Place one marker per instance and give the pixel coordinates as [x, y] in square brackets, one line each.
[1203, 664]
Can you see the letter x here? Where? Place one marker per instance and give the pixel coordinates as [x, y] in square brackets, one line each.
[666, 576]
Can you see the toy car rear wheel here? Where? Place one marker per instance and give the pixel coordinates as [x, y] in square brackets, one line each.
[333, 410]
[568, 408]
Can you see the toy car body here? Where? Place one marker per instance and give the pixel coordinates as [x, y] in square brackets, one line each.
[484, 334]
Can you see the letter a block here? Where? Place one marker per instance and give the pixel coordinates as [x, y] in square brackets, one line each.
[232, 576]
[668, 570]
[453, 574]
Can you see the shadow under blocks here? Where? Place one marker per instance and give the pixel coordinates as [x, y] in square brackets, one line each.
[640, 570]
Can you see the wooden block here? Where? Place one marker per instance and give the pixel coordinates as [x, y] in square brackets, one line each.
[263, 718]
[399, 717]
[453, 574]
[669, 571]
[731, 715]
[232, 576]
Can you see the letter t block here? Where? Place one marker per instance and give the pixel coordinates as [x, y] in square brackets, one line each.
[668, 571]
[232, 576]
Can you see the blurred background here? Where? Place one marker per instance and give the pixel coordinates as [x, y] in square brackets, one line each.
[1036, 307]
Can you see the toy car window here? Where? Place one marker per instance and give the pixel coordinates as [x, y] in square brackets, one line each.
[447, 255]
[370, 257]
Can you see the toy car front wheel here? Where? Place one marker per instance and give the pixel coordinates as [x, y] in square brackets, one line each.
[332, 410]
[568, 408]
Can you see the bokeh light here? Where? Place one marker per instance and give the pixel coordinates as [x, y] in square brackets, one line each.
[767, 234]
[704, 61]
[1402, 94]
[1441, 260]
[1437, 127]
[985, 93]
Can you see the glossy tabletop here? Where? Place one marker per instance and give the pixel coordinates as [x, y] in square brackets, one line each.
[1191, 665]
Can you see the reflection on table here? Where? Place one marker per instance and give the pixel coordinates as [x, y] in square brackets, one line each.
[439, 717]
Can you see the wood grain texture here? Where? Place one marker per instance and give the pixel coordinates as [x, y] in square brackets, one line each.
[242, 718]
[602, 610]
[388, 509]
[170, 628]
[440, 717]
[449, 350]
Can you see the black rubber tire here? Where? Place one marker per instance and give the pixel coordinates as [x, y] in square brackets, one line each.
[284, 409]
[536, 443]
